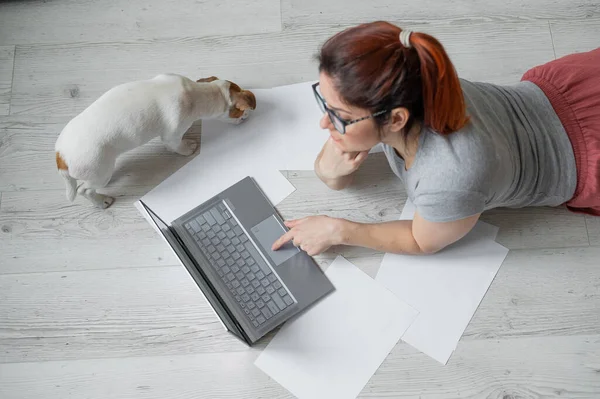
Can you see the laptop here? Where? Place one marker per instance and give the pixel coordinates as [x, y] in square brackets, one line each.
[225, 245]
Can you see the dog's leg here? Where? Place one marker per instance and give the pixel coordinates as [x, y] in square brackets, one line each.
[174, 141]
[99, 200]
[100, 178]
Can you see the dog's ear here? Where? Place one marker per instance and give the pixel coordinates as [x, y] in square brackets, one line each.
[241, 99]
[207, 80]
[245, 100]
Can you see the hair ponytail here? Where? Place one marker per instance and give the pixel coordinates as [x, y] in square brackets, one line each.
[443, 100]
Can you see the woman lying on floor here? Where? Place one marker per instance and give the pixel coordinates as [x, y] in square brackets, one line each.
[460, 147]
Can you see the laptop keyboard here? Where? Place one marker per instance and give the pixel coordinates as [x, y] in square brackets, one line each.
[257, 290]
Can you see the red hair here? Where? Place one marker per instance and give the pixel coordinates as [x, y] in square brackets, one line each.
[373, 70]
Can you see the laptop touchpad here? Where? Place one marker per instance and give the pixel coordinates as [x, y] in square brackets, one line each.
[267, 232]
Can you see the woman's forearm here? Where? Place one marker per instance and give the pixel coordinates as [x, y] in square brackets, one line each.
[393, 237]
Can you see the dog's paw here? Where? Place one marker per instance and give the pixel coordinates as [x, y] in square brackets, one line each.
[107, 201]
[187, 147]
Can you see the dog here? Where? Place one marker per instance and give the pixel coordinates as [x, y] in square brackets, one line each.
[129, 115]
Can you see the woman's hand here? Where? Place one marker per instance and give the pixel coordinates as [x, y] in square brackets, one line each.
[333, 163]
[313, 234]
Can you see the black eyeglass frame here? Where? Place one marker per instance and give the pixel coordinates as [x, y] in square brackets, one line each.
[341, 124]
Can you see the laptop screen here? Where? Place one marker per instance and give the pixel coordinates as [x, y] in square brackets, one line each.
[195, 273]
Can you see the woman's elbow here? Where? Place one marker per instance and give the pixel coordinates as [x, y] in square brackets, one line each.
[426, 247]
[336, 185]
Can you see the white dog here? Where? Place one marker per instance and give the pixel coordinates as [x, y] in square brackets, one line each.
[132, 114]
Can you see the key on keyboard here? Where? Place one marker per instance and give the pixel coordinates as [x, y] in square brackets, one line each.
[244, 268]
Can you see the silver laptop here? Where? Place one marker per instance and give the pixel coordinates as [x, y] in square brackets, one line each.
[225, 244]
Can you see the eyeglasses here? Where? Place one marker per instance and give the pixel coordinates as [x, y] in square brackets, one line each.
[339, 123]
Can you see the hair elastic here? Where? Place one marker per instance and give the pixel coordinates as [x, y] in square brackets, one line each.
[405, 38]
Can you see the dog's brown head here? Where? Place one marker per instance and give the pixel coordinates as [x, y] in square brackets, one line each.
[242, 102]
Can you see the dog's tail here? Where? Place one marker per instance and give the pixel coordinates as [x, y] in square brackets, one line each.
[63, 171]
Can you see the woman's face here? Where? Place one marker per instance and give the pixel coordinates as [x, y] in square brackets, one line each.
[360, 136]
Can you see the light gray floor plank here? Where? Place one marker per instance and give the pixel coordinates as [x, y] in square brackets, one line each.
[473, 48]
[255, 60]
[76, 236]
[216, 375]
[301, 12]
[27, 145]
[542, 292]
[7, 56]
[70, 21]
[526, 368]
[159, 311]
[540, 367]
[106, 313]
[20, 256]
[38, 215]
[538, 227]
[576, 37]
[64, 79]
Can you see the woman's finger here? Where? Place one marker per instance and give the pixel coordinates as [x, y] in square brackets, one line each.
[282, 240]
[361, 157]
[313, 251]
[293, 222]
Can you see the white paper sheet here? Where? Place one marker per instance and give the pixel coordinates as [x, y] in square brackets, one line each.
[332, 350]
[446, 288]
[284, 128]
[260, 140]
[301, 136]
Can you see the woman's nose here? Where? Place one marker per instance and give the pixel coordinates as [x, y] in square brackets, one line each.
[325, 122]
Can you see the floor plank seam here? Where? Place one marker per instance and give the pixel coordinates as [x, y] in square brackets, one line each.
[12, 79]
[256, 350]
[119, 195]
[333, 254]
[281, 16]
[587, 231]
[154, 40]
[552, 38]
[285, 28]
[145, 268]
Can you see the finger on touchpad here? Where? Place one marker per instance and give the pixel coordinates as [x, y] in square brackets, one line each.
[267, 232]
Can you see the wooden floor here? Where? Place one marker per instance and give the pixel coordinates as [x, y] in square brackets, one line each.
[92, 303]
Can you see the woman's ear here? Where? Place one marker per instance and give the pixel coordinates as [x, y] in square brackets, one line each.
[398, 119]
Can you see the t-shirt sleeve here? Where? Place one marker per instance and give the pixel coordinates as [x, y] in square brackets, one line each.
[448, 206]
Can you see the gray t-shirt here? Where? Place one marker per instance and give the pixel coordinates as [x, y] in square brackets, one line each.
[514, 152]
